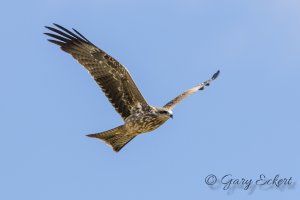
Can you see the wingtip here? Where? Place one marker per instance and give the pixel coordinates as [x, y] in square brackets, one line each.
[91, 135]
[215, 75]
[58, 26]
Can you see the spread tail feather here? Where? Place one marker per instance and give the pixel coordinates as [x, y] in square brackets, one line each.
[116, 137]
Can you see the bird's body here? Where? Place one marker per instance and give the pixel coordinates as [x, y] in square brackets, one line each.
[147, 120]
[117, 84]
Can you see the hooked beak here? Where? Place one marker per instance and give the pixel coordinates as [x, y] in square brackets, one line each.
[171, 115]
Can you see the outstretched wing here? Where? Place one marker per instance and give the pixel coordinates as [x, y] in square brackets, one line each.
[170, 105]
[111, 76]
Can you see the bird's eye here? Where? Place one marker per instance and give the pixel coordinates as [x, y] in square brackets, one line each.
[164, 112]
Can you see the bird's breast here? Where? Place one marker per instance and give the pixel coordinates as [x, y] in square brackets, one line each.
[141, 123]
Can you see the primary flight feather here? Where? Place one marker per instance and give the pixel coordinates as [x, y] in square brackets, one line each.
[118, 86]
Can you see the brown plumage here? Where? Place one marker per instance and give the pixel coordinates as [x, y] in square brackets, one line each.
[118, 86]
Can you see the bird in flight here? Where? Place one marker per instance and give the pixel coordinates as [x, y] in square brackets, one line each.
[118, 86]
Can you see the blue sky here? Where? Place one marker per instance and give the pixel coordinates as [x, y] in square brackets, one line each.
[245, 124]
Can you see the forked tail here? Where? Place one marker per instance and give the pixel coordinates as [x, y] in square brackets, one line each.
[117, 137]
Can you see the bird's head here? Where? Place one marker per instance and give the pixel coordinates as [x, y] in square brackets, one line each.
[165, 113]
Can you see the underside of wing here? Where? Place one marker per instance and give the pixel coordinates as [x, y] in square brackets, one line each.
[111, 76]
[170, 105]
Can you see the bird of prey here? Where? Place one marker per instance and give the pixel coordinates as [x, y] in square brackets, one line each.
[118, 86]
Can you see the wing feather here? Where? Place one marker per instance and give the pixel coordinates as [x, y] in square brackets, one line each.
[113, 78]
[170, 105]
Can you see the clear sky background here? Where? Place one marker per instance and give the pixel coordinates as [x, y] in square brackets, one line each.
[245, 124]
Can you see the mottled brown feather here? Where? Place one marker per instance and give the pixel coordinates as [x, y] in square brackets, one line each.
[110, 75]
